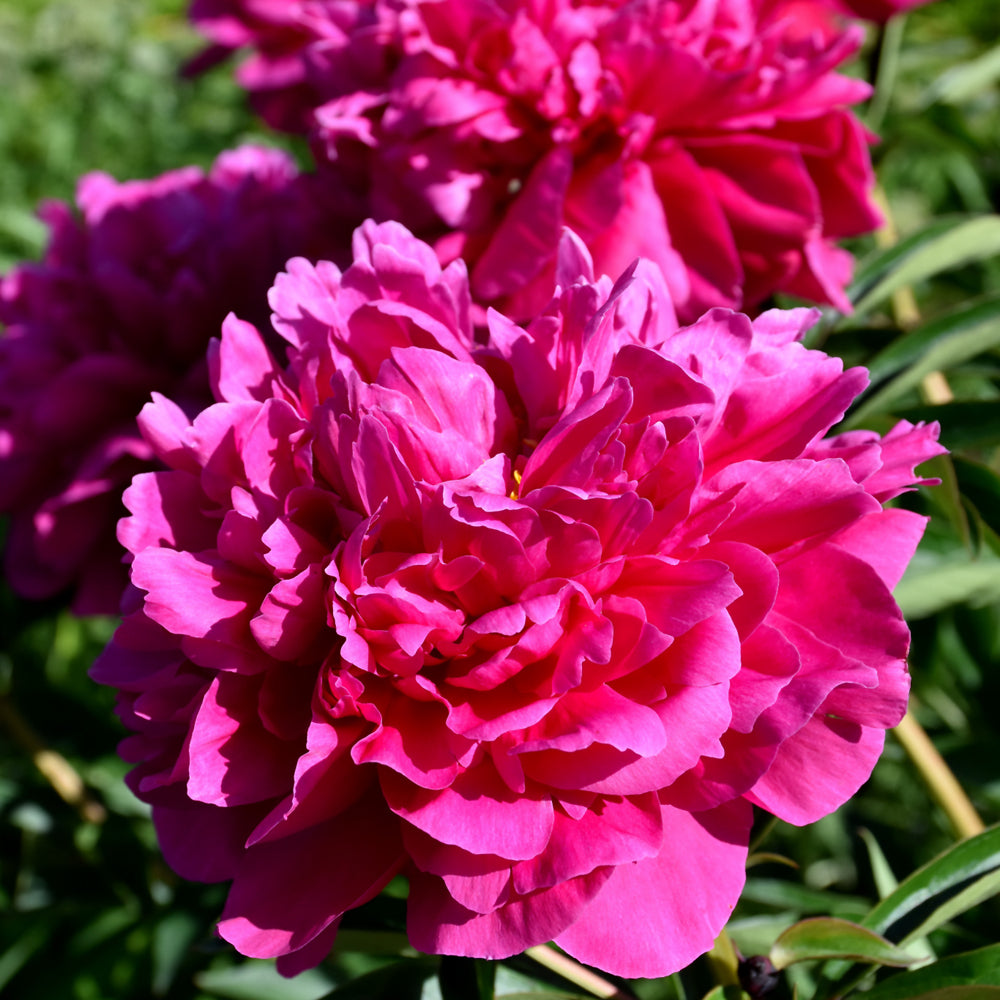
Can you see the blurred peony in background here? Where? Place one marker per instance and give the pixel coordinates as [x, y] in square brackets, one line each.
[591, 122]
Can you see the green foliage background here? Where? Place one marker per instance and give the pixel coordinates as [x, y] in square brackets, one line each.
[89, 911]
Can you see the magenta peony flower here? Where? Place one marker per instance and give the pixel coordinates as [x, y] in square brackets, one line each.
[873, 10]
[825, 16]
[532, 620]
[125, 301]
[713, 138]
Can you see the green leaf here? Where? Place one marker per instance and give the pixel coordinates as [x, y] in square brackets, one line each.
[725, 993]
[172, 940]
[511, 984]
[541, 995]
[951, 342]
[260, 980]
[954, 881]
[830, 937]
[410, 979]
[18, 954]
[966, 80]
[908, 349]
[949, 979]
[944, 244]
[963, 992]
[927, 589]
[885, 880]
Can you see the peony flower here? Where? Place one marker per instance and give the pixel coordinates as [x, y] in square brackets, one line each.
[878, 11]
[125, 301]
[532, 619]
[825, 17]
[712, 138]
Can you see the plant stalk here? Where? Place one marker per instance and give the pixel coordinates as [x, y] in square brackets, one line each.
[938, 777]
[574, 972]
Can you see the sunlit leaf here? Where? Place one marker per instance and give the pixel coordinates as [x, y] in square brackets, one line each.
[829, 937]
[942, 245]
[928, 589]
[974, 975]
[949, 348]
[965, 80]
[885, 880]
[968, 872]
[910, 347]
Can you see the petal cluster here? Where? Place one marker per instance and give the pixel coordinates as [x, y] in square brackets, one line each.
[872, 10]
[826, 17]
[531, 618]
[713, 138]
[132, 287]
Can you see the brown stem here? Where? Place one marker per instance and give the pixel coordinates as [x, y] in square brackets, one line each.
[55, 768]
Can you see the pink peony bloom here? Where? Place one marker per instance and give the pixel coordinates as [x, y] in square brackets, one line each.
[125, 301]
[713, 138]
[825, 17]
[532, 620]
[878, 11]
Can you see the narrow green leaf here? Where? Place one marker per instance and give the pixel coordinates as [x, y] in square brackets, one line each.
[964, 992]
[511, 983]
[945, 352]
[920, 257]
[885, 880]
[541, 995]
[830, 937]
[949, 979]
[908, 349]
[874, 267]
[978, 892]
[965, 80]
[927, 589]
[18, 954]
[911, 907]
[172, 940]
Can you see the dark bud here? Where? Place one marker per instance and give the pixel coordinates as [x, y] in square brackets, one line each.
[758, 976]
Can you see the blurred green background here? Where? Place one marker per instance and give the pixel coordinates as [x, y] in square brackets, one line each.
[87, 908]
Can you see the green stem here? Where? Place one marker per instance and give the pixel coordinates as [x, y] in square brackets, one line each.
[56, 769]
[886, 67]
[938, 777]
[574, 972]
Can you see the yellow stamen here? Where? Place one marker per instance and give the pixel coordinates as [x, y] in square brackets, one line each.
[517, 479]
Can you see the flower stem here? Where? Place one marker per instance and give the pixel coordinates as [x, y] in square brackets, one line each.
[575, 973]
[938, 777]
[884, 73]
[55, 768]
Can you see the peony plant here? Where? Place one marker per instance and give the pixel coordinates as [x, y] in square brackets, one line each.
[531, 618]
[131, 289]
[715, 139]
